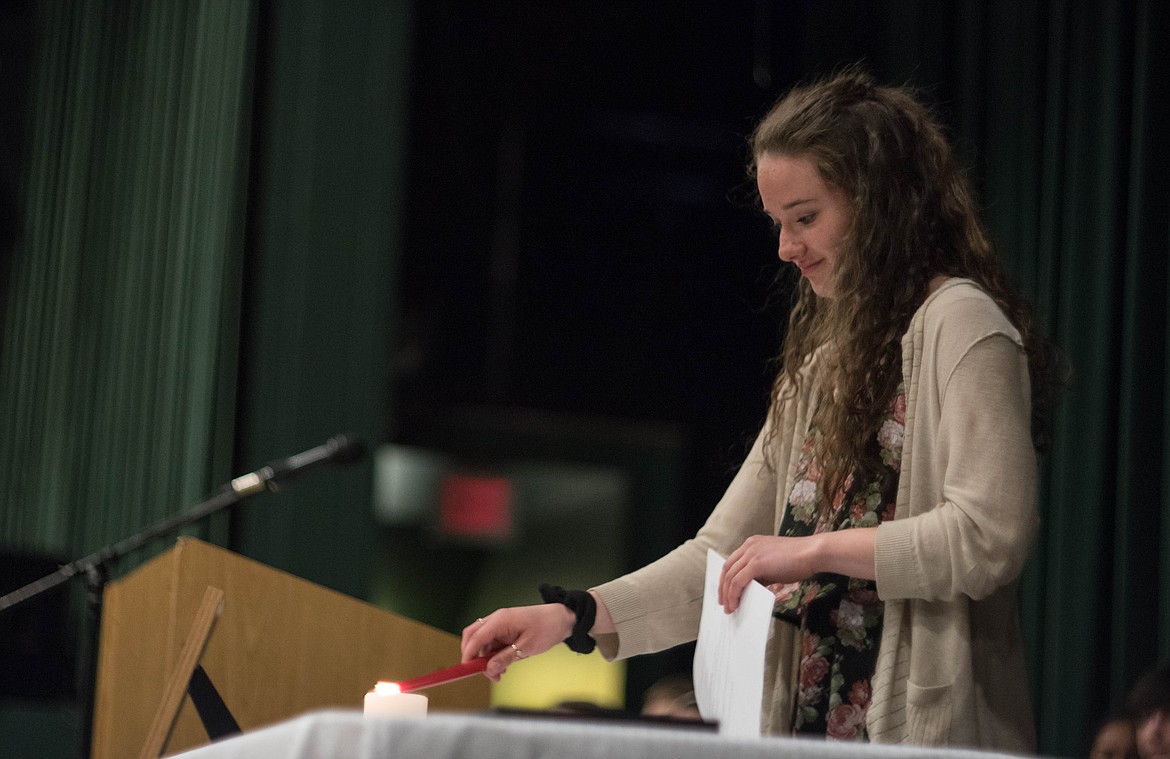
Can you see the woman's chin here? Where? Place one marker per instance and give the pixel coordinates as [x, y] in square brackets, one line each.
[822, 289]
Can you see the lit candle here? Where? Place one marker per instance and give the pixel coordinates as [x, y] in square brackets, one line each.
[388, 700]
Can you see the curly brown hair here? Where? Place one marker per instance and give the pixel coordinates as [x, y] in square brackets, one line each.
[913, 218]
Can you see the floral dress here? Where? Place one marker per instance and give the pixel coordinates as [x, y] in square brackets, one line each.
[840, 618]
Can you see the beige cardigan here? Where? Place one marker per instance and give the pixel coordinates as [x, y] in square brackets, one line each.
[950, 670]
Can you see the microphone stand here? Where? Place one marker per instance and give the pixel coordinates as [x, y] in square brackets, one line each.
[95, 570]
[338, 450]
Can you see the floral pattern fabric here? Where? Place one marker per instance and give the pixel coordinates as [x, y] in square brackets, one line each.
[840, 618]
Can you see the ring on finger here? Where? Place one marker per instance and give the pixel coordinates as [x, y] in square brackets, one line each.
[519, 653]
[480, 620]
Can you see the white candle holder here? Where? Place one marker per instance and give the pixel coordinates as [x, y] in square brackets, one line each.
[388, 700]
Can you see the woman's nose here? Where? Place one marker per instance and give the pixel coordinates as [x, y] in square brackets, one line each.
[788, 248]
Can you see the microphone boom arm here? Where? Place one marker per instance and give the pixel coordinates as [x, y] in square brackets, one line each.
[342, 449]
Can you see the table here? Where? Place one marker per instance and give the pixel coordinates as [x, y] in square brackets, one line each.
[350, 735]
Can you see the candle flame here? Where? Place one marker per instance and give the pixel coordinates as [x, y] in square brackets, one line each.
[383, 688]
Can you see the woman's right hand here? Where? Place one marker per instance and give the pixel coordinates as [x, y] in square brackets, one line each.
[509, 635]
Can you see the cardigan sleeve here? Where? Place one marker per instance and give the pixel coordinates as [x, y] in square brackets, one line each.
[658, 606]
[975, 535]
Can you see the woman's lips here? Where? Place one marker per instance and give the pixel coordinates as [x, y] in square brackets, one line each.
[805, 269]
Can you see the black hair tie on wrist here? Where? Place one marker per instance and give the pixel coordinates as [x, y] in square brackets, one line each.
[582, 604]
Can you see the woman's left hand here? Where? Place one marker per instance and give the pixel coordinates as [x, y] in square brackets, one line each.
[772, 559]
[768, 559]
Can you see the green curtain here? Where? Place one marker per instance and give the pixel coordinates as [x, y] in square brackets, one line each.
[324, 233]
[1067, 102]
[117, 381]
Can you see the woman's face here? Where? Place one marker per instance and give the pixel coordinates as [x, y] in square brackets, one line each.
[810, 216]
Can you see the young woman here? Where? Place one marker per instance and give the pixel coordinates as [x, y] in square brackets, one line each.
[890, 499]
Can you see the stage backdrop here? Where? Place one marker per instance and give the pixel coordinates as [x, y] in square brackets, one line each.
[117, 385]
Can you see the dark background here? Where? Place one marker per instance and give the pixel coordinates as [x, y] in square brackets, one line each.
[580, 236]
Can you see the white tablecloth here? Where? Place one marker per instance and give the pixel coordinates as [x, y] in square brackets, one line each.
[350, 735]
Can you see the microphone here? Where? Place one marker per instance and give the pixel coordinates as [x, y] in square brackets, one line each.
[338, 450]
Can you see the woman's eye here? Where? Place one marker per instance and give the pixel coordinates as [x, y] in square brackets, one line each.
[807, 218]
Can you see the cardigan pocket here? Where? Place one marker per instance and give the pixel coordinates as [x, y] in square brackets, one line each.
[928, 714]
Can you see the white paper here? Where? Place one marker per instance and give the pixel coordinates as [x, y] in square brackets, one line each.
[729, 655]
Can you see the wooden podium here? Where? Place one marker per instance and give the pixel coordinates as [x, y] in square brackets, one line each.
[280, 647]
